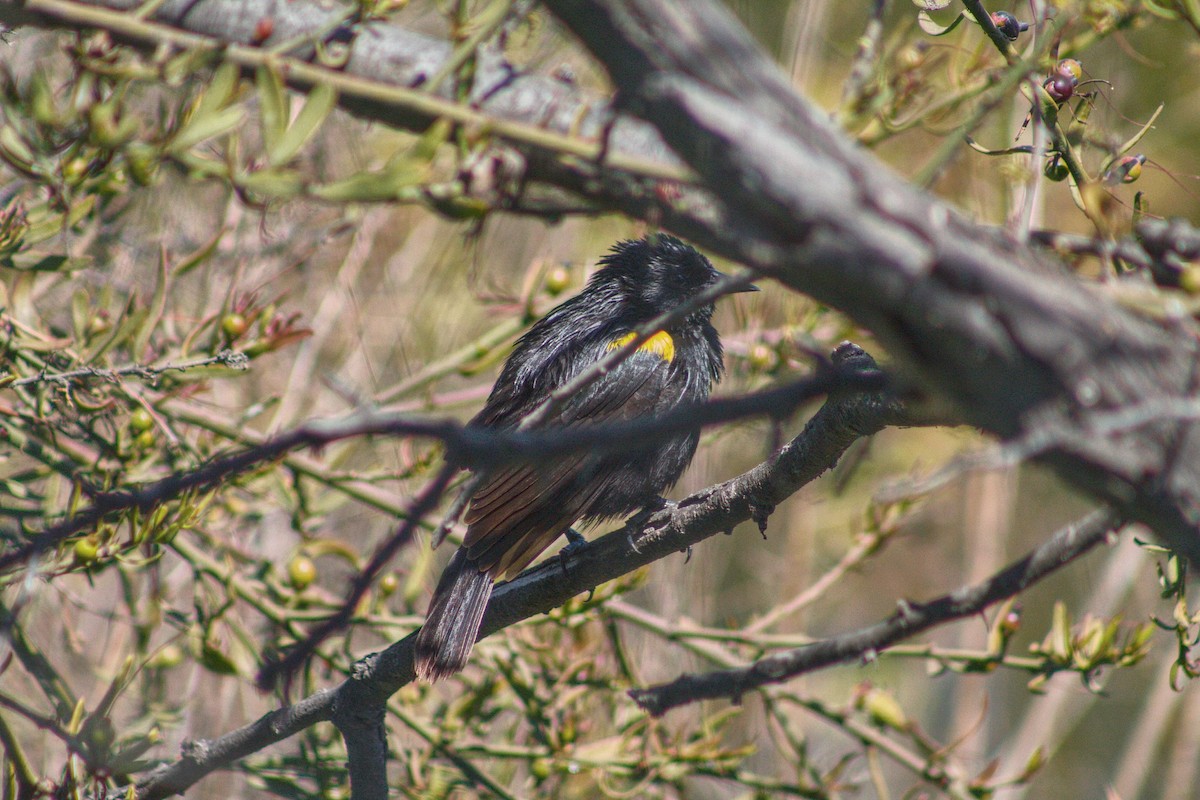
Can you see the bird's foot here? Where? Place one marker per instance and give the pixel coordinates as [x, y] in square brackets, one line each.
[575, 543]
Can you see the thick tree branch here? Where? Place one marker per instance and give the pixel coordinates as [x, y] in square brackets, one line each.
[842, 420]
[1010, 338]
[1056, 552]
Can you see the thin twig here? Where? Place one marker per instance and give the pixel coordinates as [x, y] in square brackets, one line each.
[1064, 547]
[866, 545]
[422, 504]
[227, 358]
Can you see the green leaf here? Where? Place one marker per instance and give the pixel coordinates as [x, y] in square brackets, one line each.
[220, 90]
[51, 224]
[185, 65]
[275, 183]
[1132, 141]
[1037, 759]
[437, 134]
[15, 151]
[939, 23]
[58, 263]
[273, 106]
[366, 187]
[201, 127]
[321, 101]
[1060, 633]
[1004, 151]
[215, 661]
[200, 256]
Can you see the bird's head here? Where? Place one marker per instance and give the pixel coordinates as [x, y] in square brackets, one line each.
[655, 274]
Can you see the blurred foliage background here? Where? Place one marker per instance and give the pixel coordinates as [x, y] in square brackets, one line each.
[132, 236]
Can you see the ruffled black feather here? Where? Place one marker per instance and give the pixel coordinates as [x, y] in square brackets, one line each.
[521, 510]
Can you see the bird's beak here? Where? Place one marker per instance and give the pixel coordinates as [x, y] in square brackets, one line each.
[749, 287]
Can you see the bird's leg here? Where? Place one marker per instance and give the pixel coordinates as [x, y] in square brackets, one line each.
[575, 542]
[635, 524]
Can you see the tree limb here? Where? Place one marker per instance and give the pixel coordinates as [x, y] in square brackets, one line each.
[1010, 338]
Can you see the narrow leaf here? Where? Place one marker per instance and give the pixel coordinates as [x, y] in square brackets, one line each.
[1132, 141]
[321, 101]
[198, 128]
[276, 183]
[273, 105]
[220, 90]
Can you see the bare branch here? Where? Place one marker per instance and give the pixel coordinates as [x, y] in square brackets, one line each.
[469, 447]
[1059, 550]
[226, 358]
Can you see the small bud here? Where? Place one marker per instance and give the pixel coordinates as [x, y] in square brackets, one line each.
[301, 572]
[85, 551]
[883, 709]
[142, 162]
[108, 128]
[233, 326]
[762, 358]
[74, 171]
[1010, 623]
[99, 323]
[141, 421]
[557, 281]
[263, 29]
[166, 658]
[1127, 169]
[912, 56]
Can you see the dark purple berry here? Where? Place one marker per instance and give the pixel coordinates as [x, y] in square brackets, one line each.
[1060, 86]
[1007, 24]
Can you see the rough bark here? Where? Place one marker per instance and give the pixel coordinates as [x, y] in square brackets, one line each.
[1020, 346]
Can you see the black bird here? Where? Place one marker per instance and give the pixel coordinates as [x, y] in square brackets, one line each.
[520, 510]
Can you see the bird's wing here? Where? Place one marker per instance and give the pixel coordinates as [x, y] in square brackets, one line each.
[521, 510]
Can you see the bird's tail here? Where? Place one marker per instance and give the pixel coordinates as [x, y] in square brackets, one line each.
[455, 613]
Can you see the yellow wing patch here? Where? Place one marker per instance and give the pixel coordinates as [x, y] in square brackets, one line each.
[660, 344]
